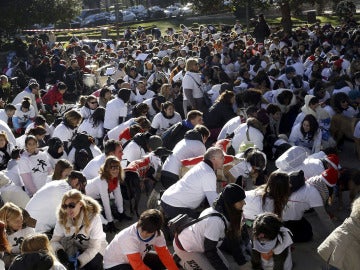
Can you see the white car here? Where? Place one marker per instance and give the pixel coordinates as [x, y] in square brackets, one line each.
[124, 16]
[187, 9]
[128, 16]
[172, 11]
[137, 9]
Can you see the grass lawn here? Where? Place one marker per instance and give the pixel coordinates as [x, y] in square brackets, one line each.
[217, 20]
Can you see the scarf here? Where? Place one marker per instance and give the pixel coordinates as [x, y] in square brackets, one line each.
[112, 184]
[320, 185]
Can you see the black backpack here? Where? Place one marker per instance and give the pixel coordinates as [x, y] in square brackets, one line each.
[83, 154]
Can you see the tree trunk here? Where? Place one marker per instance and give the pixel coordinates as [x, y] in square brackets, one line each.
[286, 16]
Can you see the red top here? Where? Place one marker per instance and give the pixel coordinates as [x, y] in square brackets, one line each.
[53, 96]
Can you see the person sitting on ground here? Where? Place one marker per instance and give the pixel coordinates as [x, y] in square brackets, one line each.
[18, 225]
[78, 220]
[36, 254]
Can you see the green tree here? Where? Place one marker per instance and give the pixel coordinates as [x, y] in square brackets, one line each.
[208, 7]
[17, 14]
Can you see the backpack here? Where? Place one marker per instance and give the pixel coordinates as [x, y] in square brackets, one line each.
[168, 137]
[182, 221]
[83, 154]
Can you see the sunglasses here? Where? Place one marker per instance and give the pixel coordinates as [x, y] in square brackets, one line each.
[114, 167]
[93, 102]
[71, 205]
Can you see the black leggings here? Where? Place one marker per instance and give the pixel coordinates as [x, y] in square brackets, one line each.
[95, 264]
[151, 259]
[301, 230]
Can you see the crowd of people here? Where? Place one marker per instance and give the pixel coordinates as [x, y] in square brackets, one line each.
[197, 117]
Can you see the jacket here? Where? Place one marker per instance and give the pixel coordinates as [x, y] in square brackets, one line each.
[341, 247]
[218, 115]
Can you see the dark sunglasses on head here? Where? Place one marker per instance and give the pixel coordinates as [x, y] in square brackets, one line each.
[71, 205]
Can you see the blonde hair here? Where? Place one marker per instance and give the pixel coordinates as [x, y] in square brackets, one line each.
[8, 213]
[4, 135]
[162, 90]
[89, 208]
[190, 63]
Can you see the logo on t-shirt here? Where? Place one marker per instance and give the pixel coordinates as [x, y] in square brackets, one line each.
[40, 166]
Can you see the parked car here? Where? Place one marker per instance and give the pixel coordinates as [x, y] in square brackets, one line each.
[128, 16]
[96, 20]
[124, 16]
[156, 12]
[172, 11]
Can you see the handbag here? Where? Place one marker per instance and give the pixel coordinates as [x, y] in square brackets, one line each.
[206, 95]
[247, 143]
[182, 221]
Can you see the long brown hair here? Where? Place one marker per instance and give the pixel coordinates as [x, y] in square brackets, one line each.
[105, 169]
[278, 189]
[4, 243]
[60, 166]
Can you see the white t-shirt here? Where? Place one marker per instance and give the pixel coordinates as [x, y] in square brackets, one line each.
[97, 188]
[183, 150]
[3, 115]
[162, 123]
[213, 228]
[114, 133]
[64, 133]
[133, 151]
[229, 127]
[88, 127]
[303, 199]
[141, 97]
[254, 205]
[38, 165]
[92, 169]
[192, 81]
[44, 210]
[128, 242]
[23, 117]
[191, 189]
[255, 136]
[115, 109]
[357, 130]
